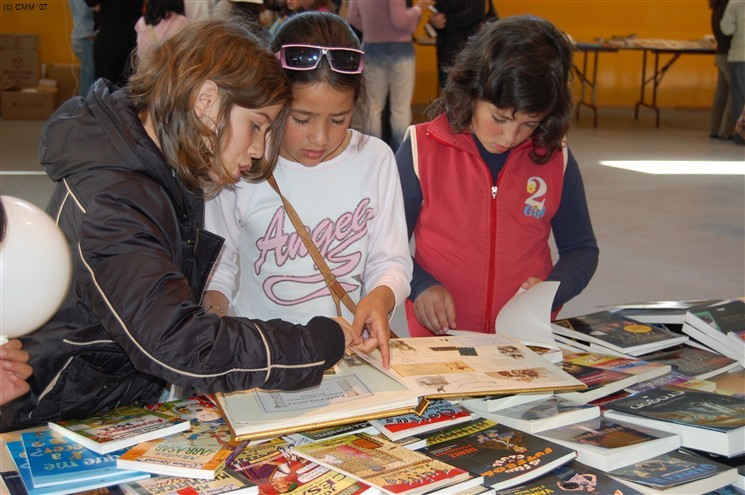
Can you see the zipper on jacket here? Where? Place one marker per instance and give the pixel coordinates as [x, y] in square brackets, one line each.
[494, 192]
[488, 326]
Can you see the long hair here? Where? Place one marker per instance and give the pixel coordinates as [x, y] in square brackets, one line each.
[329, 30]
[522, 63]
[166, 83]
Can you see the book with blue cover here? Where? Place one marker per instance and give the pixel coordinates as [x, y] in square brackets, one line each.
[54, 459]
[18, 454]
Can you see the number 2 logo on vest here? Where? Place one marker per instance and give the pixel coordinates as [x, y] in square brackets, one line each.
[534, 205]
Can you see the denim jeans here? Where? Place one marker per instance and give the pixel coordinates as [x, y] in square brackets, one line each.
[390, 69]
[83, 49]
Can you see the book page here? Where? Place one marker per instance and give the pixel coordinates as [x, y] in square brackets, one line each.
[527, 316]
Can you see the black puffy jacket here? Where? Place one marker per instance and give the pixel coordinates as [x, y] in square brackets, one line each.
[131, 323]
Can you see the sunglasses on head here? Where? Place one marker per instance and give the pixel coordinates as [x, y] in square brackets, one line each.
[307, 57]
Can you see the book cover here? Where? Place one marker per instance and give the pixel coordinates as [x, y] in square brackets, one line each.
[439, 414]
[700, 418]
[659, 312]
[607, 444]
[718, 319]
[18, 456]
[693, 361]
[504, 456]
[382, 464]
[282, 472]
[673, 379]
[551, 412]
[643, 370]
[54, 459]
[119, 428]
[224, 482]
[676, 472]
[498, 402]
[600, 382]
[330, 432]
[570, 479]
[617, 332]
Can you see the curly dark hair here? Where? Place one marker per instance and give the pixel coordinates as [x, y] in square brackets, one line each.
[157, 10]
[522, 63]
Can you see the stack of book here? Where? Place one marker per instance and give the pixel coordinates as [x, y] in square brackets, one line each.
[720, 327]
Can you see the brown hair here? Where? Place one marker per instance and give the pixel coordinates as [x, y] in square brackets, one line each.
[165, 86]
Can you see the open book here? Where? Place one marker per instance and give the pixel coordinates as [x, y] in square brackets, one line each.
[421, 368]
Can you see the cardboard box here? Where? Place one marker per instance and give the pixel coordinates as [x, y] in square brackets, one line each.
[68, 80]
[28, 105]
[19, 61]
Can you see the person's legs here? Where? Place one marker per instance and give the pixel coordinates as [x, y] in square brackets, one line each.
[83, 49]
[377, 81]
[737, 85]
[722, 123]
[402, 74]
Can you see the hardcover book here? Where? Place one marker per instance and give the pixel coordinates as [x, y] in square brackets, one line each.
[693, 361]
[224, 482]
[677, 472]
[570, 479]
[700, 418]
[540, 415]
[54, 459]
[617, 333]
[275, 470]
[600, 382]
[504, 456]
[198, 453]
[439, 414]
[607, 444]
[382, 464]
[119, 428]
[18, 456]
[362, 389]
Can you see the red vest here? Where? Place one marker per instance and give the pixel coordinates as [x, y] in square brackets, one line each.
[479, 243]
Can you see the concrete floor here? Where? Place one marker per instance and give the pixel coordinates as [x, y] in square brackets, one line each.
[661, 237]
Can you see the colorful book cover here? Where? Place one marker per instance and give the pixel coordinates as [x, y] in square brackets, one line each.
[198, 453]
[224, 482]
[283, 472]
[382, 464]
[723, 318]
[119, 428]
[331, 432]
[571, 479]
[439, 414]
[618, 333]
[673, 379]
[675, 471]
[54, 459]
[504, 456]
[643, 370]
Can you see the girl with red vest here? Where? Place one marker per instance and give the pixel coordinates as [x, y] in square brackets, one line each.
[490, 178]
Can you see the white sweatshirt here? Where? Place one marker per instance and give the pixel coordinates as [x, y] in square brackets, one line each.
[353, 207]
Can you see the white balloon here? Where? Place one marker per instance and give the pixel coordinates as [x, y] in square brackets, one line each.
[35, 268]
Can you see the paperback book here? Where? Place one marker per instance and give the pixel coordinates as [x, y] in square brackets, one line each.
[498, 402]
[425, 367]
[700, 418]
[119, 428]
[676, 473]
[18, 456]
[382, 464]
[570, 479]
[54, 459]
[693, 361]
[607, 444]
[718, 326]
[540, 415]
[224, 482]
[600, 382]
[673, 379]
[659, 312]
[439, 414]
[331, 432]
[641, 369]
[617, 333]
[504, 456]
[198, 453]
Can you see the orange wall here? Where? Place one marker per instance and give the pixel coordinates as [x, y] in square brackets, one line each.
[689, 82]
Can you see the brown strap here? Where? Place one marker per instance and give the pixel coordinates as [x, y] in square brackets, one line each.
[337, 291]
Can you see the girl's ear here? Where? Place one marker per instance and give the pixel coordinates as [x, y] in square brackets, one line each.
[207, 101]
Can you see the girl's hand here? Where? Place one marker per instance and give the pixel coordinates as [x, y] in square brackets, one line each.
[530, 282]
[14, 371]
[434, 308]
[371, 322]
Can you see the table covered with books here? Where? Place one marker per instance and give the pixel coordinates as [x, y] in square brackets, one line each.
[650, 413]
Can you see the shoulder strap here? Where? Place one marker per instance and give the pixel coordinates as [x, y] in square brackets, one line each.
[337, 291]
